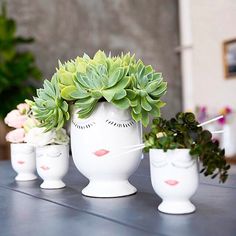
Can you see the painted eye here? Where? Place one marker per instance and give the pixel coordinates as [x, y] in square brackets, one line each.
[182, 164]
[27, 151]
[83, 126]
[123, 124]
[159, 164]
[56, 154]
[30, 151]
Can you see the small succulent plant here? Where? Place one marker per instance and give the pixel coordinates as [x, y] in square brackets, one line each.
[49, 108]
[122, 81]
[145, 92]
[183, 131]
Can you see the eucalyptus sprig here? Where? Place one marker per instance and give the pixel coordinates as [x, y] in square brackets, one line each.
[183, 131]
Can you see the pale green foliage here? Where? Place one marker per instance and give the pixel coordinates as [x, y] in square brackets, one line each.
[145, 92]
[122, 81]
[49, 108]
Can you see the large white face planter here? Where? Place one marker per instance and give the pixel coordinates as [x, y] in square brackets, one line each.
[23, 161]
[52, 163]
[175, 177]
[99, 150]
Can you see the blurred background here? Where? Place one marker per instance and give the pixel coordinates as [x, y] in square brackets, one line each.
[193, 43]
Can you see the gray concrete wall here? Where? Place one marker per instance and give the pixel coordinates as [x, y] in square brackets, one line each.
[64, 29]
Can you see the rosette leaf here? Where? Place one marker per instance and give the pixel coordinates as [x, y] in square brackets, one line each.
[144, 97]
[49, 108]
[104, 79]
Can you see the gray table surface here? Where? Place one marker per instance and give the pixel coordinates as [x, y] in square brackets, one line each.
[25, 209]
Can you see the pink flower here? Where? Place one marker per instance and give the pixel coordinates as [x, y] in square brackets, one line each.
[222, 120]
[228, 110]
[15, 119]
[16, 136]
[23, 108]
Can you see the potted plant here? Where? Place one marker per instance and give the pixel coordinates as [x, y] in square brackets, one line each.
[52, 155]
[175, 147]
[109, 98]
[22, 154]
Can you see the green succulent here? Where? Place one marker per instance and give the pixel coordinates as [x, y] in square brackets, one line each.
[49, 108]
[121, 80]
[145, 92]
[183, 131]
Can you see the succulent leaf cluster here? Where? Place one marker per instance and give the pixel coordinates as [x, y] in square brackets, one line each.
[122, 81]
[49, 108]
[183, 131]
[145, 92]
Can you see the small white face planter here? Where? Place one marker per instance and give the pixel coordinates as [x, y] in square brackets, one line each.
[175, 177]
[23, 161]
[99, 150]
[52, 163]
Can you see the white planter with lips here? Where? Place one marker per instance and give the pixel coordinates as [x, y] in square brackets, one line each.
[99, 150]
[175, 178]
[52, 163]
[23, 161]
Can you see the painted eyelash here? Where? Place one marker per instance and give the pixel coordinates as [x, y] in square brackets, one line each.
[40, 155]
[159, 165]
[55, 155]
[184, 167]
[83, 126]
[120, 125]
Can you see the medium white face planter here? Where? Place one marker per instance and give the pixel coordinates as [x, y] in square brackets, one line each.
[99, 149]
[52, 163]
[175, 177]
[23, 161]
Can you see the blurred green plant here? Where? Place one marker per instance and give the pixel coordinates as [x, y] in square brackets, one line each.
[182, 131]
[17, 67]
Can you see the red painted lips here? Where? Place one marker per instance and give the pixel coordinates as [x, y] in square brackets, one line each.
[44, 167]
[101, 152]
[171, 182]
[20, 162]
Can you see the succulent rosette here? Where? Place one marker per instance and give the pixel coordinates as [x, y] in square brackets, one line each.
[122, 81]
[49, 107]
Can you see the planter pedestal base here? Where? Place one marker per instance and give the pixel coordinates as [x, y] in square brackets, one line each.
[25, 177]
[52, 184]
[105, 189]
[176, 207]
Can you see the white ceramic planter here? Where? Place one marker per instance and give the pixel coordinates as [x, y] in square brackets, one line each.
[23, 161]
[175, 177]
[99, 150]
[52, 163]
[229, 139]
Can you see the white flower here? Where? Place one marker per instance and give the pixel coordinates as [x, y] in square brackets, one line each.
[38, 137]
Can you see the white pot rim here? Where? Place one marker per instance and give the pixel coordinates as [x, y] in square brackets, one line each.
[23, 144]
[170, 150]
[52, 145]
